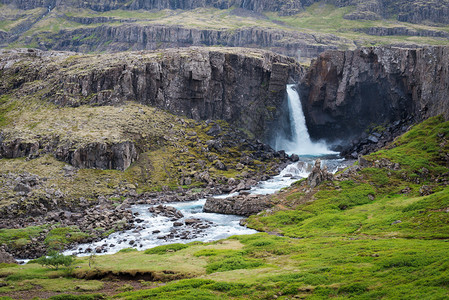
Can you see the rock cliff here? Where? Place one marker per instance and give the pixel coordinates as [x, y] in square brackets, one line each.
[347, 92]
[150, 37]
[244, 87]
[283, 6]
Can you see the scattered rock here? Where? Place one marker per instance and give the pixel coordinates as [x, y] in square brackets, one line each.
[6, 258]
[425, 190]
[24, 188]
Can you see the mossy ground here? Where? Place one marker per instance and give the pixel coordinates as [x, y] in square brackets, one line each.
[362, 237]
[171, 148]
[262, 266]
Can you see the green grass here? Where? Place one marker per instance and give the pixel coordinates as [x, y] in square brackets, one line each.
[58, 237]
[166, 248]
[319, 19]
[372, 203]
[20, 237]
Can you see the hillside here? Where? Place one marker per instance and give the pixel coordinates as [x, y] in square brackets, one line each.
[379, 229]
[85, 136]
[285, 27]
[138, 137]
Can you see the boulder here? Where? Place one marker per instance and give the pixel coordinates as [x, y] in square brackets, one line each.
[318, 175]
[243, 205]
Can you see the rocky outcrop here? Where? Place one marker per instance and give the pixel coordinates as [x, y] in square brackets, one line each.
[430, 11]
[414, 11]
[118, 156]
[6, 258]
[166, 211]
[150, 37]
[318, 175]
[242, 205]
[344, 93]
[244, 87]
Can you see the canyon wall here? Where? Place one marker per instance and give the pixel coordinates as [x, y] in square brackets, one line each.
[150, 37]
[242, 86]
[347, 92]
[283, 6]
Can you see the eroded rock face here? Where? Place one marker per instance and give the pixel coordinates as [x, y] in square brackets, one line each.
[344, 93]
[148, 37]
[244, 87]
[117, 156]
[318, 175]
[284, 6]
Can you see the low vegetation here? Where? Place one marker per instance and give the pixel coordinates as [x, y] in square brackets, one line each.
[374, 234]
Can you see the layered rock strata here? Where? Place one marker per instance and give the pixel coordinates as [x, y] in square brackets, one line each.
[150, 37]
[415, 11]
[347, 92]
[244, 87]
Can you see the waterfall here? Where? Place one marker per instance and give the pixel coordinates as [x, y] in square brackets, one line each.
[299, 142]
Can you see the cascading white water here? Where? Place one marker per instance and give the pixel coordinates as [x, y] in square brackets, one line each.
[300, 142]
[153, 227]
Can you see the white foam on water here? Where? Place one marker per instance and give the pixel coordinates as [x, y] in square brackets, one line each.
[223, 226]
[300, 142]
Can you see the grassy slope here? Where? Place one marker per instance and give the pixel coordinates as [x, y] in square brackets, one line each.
[342, 240]
[316, 19]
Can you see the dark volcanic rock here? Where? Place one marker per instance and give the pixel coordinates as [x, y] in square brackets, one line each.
[344, 93]
[389, 31]
[99, 155]
[167, 211]
[242, 86]
[414, 11]
[149, 37]
[318, 175]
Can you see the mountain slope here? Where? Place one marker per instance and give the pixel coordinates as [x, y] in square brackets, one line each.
[285, 27]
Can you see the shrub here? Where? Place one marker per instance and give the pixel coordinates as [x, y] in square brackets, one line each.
[54, 260]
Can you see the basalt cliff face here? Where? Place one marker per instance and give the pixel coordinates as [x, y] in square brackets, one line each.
[283, 6]
[150, 37]
[346, 93]
[243, 87]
